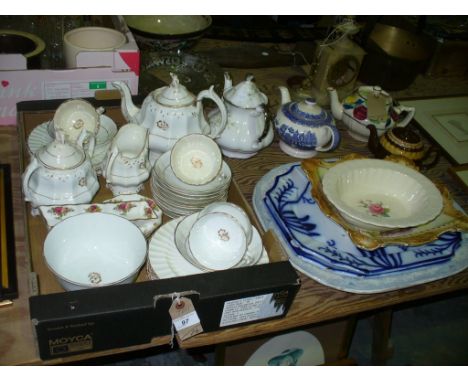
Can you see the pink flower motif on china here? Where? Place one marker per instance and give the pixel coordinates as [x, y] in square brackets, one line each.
[151, 203]
[93, 208]
[60, 211]
[124, 207]
[148, 212]
[360, 113]
[375, 208]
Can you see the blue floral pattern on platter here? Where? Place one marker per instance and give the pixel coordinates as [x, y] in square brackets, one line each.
[322, 249]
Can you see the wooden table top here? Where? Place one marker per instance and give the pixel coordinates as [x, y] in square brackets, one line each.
[314, 302]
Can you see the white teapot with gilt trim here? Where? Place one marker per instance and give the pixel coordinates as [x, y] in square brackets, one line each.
[249, 127]
[170, 113]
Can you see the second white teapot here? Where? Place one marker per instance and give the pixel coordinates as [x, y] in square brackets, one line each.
[249, 127]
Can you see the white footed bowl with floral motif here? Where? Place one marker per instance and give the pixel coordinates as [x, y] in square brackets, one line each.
[376, 194]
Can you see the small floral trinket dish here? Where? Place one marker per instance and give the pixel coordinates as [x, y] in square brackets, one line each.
[141, 211]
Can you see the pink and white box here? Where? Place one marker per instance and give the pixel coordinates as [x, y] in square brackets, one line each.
[96, 72]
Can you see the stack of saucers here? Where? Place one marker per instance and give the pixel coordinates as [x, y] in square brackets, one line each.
[177, 197]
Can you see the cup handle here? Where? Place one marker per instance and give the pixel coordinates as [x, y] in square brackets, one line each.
[211, 94]
[33, 165]
[409, 116]
[334, 142]
[91, 146]
[108, 170]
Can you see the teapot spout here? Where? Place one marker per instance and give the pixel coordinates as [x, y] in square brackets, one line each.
[129, 110]
[336, 106]
[285, 96]
[374, 142]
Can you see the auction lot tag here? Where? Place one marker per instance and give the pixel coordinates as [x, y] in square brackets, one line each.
[184, 318]
[376, 107]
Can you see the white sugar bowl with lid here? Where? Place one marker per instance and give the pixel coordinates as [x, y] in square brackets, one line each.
[59, 173]
[304, 128]
[248, 127]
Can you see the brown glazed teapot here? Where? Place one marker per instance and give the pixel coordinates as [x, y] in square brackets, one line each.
[402, 141]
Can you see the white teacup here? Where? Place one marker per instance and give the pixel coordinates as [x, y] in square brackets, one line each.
[235, 211]
[73, 116]
[217, 241]
[196, 159]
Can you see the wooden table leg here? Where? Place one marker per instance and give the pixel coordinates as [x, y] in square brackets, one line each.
[382, 350]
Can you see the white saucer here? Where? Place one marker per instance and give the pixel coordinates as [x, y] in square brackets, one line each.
[39, 137]
[164, 259]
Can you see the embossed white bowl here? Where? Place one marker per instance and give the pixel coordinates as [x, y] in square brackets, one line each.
[217, 241]
[93, 250]
[376, 194]
[196, 159]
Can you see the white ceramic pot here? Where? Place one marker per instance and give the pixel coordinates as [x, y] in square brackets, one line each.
[248, 128]
[353, 111]
[304, 128]
[90, 39]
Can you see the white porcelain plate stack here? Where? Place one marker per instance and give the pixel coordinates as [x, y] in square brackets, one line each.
[177, 198]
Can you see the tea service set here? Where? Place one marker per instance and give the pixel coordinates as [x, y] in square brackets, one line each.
[170, 142]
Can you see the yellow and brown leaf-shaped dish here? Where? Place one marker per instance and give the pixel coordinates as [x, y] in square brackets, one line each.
[449, 220]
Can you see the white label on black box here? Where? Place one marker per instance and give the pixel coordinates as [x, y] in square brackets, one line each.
[186, 321]
[250, 309]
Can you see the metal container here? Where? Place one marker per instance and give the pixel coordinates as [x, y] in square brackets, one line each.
[395, 57]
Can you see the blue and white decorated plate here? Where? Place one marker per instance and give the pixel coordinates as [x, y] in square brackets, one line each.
[322, 249]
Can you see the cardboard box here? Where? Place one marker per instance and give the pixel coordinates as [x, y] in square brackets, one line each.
[17, 83]
[124, 315]
[70, 323]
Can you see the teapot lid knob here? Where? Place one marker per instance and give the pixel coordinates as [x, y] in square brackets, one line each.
[377, 90]
[175, 80]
